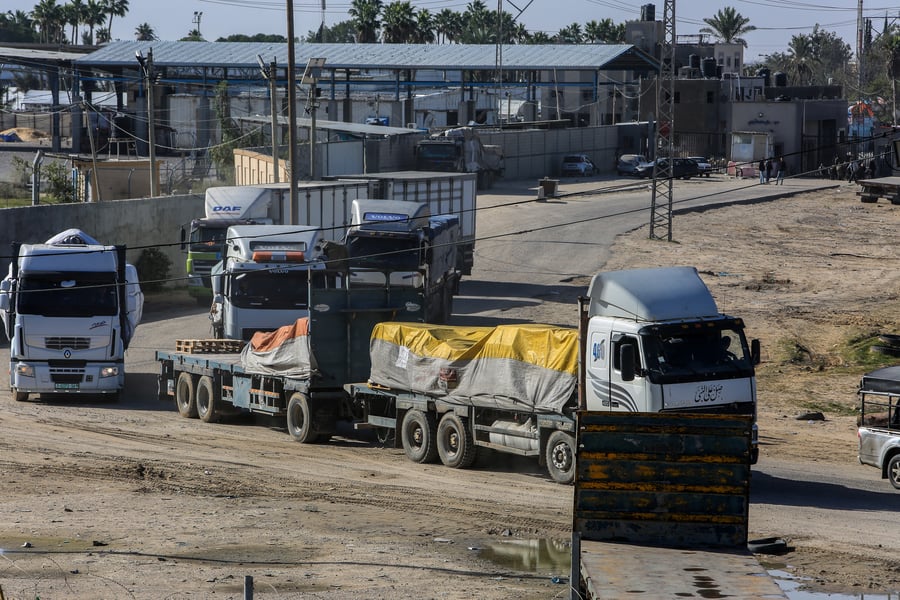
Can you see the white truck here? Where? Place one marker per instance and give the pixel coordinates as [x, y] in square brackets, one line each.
[400, 244]
[261, 283]
[445, 194]
[649, 341]
[324, 204]
[879, 422]
[70, 307]
[461, 150]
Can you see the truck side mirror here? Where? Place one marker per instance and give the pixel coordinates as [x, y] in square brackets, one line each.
[183, 239]
[755, 352]
[626, 361]
[4, 300]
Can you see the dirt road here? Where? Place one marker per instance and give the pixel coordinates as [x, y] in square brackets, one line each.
[132, 501]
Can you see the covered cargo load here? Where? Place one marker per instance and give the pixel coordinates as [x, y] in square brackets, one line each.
[513, 367]
[285, 351]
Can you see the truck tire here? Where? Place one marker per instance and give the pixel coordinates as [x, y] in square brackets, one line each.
[893, 471]
[299, 419]
[20, 396]
[208, 408]
[455, 444]
[185, 399]
[560, 456]
[418, 434]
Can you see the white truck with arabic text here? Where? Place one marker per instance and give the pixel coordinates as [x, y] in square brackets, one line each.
[70, 307]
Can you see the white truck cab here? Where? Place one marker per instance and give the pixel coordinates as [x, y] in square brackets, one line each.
[656, 342]
[262, 282]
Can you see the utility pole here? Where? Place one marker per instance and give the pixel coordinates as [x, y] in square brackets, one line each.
[311, 78]
[147, 68]
[661, 200]
[270, 72]
[292, 116]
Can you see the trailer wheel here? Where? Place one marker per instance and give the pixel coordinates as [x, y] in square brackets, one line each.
[299, 419]
[455, 444]
[560, 456]
[208, 408]
[893, 471]
[418, 434]
[185, 399]
[20, 396]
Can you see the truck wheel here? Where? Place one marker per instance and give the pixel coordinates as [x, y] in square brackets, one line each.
[208, 408]
[560, 456]
[893, 471]
[455, 444]
[185, 399]
[299, 419]
[418, 433]
[20, 396]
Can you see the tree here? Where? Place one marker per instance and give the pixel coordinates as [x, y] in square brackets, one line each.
[74, 13]
[476, 24]
[50, 20]
[570, 35]
[814, 58]
[144, 33]
[364, 16]
[193, 36]
[447, 25]
[728, 26]
[339, 33]
[257, 37]
[114, 8]
[604, 32]
[423, 33]
[94, 16]
[17, 27]
[398, 22]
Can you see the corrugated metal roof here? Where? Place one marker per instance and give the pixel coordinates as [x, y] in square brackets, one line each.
[375, 56]
[14, 54]
[355, 128]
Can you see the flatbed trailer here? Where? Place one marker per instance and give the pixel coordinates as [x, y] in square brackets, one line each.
[881, 187]
[207, 379]
[661, 508]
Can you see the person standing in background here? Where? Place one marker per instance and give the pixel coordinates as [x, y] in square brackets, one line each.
[780, 168]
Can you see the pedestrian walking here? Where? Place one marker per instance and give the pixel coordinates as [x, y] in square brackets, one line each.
[768, 169]
[780, 168]
[762, 170]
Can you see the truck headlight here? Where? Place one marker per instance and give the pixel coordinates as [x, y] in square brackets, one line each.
[109, 372]
[24, 370]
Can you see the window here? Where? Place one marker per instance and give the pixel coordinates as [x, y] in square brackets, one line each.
[617, 357]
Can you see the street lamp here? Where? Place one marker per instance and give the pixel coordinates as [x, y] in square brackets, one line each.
[147, 69]
[311, 77]
[197, 15]
[270, 72]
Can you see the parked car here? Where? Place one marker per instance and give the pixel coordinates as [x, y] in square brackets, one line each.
[682, 168]
[704, 167]
[628, 163]
[578, 165]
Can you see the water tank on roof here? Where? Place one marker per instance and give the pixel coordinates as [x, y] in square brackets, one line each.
[709, 67]
[648, 12]
[764, 73]
[694, 61]
[780, 79]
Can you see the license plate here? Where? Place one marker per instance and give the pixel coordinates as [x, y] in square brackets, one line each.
[66, 386]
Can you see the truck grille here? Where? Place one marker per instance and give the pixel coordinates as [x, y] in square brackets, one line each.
[60, 342]
[58, 375]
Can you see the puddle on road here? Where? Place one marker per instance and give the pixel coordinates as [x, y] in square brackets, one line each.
[553, 557]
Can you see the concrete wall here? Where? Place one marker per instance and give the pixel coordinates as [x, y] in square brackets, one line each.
[146, 222]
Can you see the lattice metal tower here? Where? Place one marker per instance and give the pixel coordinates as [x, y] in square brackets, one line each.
[664, 142]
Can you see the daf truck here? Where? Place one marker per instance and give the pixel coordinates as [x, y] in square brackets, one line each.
[324, 204]
[398, 243]
[70, 307]
[261, 283]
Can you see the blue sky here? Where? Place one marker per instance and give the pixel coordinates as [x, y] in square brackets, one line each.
[776, 21]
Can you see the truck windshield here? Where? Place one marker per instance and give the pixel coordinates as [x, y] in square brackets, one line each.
[395, 254]
[67, 294]
[675, 353]
[207, 239]
[276, 289]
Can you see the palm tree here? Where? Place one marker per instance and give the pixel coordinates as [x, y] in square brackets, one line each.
[425, 26]
[74, 13]
[399, 22]
[364, 15]
[144, 33]
[604, 32]
[17, 27]
[570, 35]
[540, 37]
[477, 24]
[94, 16]
[50, 20]
[114, 8]
[728, 26]
[444, 24]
